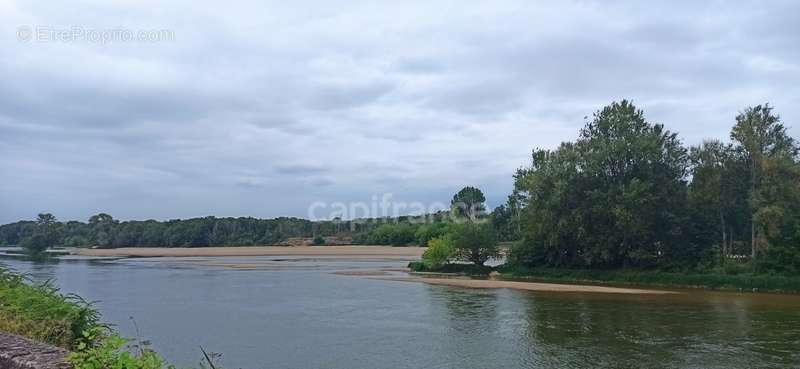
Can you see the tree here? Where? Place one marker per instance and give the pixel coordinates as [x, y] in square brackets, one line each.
[714, 195]
[46, 234]
[468, 203]
[474, 242]
[616, 197]
[504, 223]
[102, 229]
[760, 136]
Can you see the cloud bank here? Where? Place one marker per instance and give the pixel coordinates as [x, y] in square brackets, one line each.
[261, 109]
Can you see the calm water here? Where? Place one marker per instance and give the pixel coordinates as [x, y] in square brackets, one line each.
[299, 315]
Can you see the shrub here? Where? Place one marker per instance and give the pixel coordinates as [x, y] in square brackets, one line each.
[475, 242]
[100, 351]
[318, 241]
[455, 268]
[440, 251]
[427, 232]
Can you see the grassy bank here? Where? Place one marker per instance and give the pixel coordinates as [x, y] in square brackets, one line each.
[707, 280]
[714, 280]
[40, 312]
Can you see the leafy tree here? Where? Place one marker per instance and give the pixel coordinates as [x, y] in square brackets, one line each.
[616, 197]
[474, 242]
[778, 215]
[505, 222]
[717, 196]
[760, 136]
[46, 234]
[468, 203]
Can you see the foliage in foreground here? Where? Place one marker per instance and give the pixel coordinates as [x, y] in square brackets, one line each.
[99, 350]
[41, 312]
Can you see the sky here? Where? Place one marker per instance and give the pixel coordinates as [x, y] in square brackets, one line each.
[162, 110]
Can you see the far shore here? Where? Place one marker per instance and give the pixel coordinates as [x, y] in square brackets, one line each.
[404, 253]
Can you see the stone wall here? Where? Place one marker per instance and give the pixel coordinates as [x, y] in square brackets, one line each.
[21, 353]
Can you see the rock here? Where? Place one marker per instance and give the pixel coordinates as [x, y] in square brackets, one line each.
[21, 353]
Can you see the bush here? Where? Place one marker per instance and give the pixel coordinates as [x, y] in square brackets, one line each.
[427, 232]
[440, 251]
[100, 351]
[318, 241]
[475, 242]
[40, 312]
[466, 269]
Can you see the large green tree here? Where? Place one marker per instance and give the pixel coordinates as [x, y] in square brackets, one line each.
[468, 203]
[474, 242]
[718, 196]
[616, 197]
[761, 137]
[46, 234]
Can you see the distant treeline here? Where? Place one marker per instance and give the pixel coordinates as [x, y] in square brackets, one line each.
[102, 230]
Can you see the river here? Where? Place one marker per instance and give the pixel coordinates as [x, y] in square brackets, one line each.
[298, 314]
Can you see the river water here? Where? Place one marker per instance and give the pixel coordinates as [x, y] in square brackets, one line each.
[296, 313]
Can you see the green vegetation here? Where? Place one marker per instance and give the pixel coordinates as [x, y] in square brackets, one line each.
[40, 312]
[452, 268]
[102, 230]
[100, 350]
[628, 195]
[318, 241]
[474, 242]
[46, 233]
[441, 250]
[469, 203]
[718, 280]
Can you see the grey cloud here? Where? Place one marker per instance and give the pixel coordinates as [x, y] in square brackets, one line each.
[300, 169]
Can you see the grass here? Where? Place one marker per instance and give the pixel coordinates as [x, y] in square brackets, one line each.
[715, 280]
[40, 312]
[731, 277]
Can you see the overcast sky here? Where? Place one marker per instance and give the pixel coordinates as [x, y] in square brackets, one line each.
[261, 109]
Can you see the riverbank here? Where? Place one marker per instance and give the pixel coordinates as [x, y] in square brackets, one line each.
[403, 253]
[712, 281]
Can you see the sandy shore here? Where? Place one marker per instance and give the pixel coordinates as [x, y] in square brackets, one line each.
[403, 253]
[525, 286]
